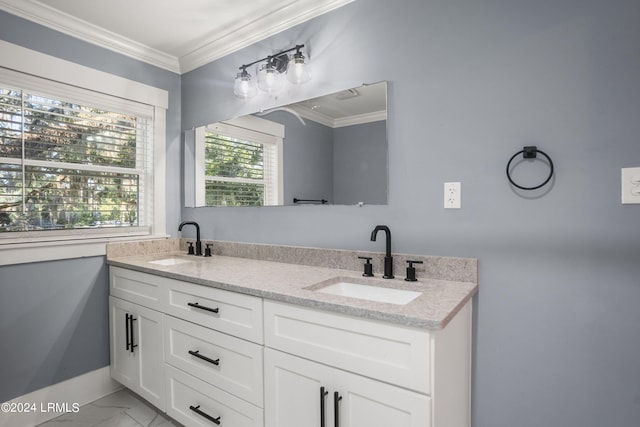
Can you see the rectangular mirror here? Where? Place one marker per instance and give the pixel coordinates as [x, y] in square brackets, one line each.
[326, 150]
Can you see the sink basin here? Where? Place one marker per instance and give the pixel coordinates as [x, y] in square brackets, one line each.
[368, 292]
[170, 261]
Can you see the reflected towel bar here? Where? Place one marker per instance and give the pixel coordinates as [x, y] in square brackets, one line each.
[323, 201]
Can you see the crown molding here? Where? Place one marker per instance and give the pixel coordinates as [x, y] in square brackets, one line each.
[359, 119]
[212, 49]
[67, 24]
[246, 35]
[323, 119]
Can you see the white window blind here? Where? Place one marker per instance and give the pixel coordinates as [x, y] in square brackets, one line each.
[242, 166]
[67, 162]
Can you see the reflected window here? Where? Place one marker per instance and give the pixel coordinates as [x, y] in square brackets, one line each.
[242, 165]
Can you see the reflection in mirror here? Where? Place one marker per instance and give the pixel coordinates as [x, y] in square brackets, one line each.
[326, 150]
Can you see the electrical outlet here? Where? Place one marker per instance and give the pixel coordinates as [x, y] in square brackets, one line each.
[630, 186]
[452, 195]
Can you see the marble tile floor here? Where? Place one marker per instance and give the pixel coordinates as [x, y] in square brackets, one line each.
[120, 409]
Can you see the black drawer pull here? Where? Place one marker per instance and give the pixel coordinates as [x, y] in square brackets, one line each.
[322, 395]
[131, 320]
[202, 307]
[205, 358]
[126, 330]
[336, 408]
[197, 410]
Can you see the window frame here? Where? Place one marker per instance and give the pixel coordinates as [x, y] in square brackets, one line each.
[36, 71]
[251, 128]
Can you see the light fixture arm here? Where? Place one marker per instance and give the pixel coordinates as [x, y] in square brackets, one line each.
[271, 57]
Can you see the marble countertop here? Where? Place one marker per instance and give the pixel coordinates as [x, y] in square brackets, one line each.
[294, 283]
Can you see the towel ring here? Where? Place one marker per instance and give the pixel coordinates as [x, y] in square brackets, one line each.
[530, 152]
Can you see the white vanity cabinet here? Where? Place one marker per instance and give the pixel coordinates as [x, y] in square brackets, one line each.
[193, 351]
[209, 356]
[373, 373]
[136, 344]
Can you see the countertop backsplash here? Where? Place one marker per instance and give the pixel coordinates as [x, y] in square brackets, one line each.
[433, 267]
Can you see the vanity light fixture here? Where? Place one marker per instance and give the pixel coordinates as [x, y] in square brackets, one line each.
[245, 86]
[270, 74]
[299, 71]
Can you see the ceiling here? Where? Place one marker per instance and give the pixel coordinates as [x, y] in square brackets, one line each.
[364, 104]
[175, 35]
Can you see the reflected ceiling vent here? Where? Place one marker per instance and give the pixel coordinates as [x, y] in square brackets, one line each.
[347, 94]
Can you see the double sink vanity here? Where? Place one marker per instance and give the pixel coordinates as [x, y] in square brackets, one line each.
[276, 336]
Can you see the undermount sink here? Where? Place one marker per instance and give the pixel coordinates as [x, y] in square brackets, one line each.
[346, 288]
[170, 261]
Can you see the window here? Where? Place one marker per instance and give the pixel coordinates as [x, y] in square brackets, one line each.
[46, 79]
[65, 164]
[242, 165]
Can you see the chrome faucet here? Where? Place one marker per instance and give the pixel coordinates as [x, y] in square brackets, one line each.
[198, 242]
[388, 259]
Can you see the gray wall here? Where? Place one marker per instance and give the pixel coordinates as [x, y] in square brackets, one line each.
[54, 319]
[53, 315]
[308, 158]
[360, 164]
[557, 324]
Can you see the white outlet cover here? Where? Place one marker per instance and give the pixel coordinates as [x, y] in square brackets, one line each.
[452, 195]
[630, 186]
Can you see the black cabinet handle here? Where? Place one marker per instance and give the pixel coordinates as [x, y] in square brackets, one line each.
[336, 408]
[202, 307]
[323, 393]
[205, 358]
[126, 329]
[131, 320]
[197, 410]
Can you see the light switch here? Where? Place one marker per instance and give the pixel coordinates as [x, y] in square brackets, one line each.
[630, 186]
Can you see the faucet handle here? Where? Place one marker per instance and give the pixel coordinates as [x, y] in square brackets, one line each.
[207, 249]
[191, 252]
[411, 271]
[368, 268]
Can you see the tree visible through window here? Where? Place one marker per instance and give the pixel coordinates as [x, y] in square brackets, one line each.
[240, 170]
[65, 165]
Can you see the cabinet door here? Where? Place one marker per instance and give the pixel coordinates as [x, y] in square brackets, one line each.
[123, 367]
[149, 341]
[293, 397]
[136, 349]
[365, 403]
[293, 391]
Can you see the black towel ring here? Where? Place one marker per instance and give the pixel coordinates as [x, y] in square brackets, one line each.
[530, 152]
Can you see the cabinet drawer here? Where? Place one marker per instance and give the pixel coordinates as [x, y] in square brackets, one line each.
[186, 392]
[141, 288]
[229, 312]
[229, 363]
[391, 353]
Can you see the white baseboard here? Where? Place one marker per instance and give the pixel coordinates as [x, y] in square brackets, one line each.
[50, 402]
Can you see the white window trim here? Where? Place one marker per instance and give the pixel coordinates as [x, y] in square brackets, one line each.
[33, 249]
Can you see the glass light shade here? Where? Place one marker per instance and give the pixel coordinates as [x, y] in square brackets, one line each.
[269, 79]
[298, 71]
[245, 86]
